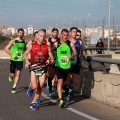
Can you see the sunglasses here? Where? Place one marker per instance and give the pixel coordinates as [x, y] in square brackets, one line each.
[78, 35]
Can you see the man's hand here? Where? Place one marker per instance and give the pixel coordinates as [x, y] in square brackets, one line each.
[52, 61]
[14, 56]
[69, 55]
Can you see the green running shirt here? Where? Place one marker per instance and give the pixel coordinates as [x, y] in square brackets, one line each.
[62, 60]
[18, 50]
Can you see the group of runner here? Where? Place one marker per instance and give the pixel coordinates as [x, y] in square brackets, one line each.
[56, 59]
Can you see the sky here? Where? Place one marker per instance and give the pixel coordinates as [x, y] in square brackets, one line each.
[58, 13]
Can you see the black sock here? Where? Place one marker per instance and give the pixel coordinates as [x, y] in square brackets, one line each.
[50, 84]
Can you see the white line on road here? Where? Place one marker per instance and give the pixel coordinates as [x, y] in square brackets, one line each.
[73, 110]
[4, 57]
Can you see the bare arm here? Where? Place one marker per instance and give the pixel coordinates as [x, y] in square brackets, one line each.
[28, 44]
[73, 49]
[50, 53]
[7, 48]
[26, 54]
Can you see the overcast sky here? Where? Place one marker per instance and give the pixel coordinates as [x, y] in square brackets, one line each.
[57, 13]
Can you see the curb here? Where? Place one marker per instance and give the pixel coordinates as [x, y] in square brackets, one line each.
[4, 57]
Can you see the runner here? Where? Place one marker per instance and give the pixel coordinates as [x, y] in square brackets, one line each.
[74, 77]
[62, 61]
[30, 91]
[51, 68]
[39, 52]
[15, 49]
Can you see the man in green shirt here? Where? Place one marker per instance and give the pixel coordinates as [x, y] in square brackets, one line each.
[62, 61]
[15, 48]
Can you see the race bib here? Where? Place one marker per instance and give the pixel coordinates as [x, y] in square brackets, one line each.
[39, 72]
[19, 53]
[64, 60]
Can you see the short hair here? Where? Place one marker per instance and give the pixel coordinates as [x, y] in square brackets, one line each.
[64, 30]
[20, 29]
[42, 30]
[73, 28]
[79, 31]
[35, 33]
[55, 29]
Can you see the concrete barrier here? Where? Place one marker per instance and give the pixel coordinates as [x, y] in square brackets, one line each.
[102, 87]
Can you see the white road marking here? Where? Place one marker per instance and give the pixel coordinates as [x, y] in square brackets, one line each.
[72, 109]
[4, 57]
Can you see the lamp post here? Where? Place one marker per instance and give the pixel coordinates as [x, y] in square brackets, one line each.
[109, 15]
[88, 27]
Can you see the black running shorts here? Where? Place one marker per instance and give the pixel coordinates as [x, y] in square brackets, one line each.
[61, 73]
[15, 65]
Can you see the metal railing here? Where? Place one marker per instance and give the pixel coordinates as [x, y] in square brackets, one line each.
[102, 62]
[94, 49]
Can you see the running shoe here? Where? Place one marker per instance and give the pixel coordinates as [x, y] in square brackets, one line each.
[14, 90]
[38, 100]
[67, 98]
[61, 104]
[51, 94]
[47, 87]
[33, 106]
[10, 79]
[30, 92]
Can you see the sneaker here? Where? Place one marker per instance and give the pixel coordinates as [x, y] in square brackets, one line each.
[38, 100]
[13, 90]
[51, 94]
[47, 87]
[30, 92]
[33, 106]
[10, 79]
[61, 103]
[67, 98]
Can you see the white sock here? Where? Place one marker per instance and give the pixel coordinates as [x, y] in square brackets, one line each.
[14, 85]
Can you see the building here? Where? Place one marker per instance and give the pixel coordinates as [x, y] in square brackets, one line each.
[30, 29]
[13, 30]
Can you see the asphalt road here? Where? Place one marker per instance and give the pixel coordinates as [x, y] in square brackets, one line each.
[16, 106]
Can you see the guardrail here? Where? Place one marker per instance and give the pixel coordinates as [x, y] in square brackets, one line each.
[102, 62]
[91, 49]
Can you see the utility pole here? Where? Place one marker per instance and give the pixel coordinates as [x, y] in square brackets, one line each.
[103, 28]
[83, 32]
[113, 26]
[109, 13]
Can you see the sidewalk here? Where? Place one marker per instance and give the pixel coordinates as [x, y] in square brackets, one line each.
[3, 55]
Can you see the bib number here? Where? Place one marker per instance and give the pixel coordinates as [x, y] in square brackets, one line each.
[19, 54]
[39, 72]
[64, 59]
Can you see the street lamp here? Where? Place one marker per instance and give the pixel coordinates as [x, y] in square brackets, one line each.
[109, 17]
[88, 27]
